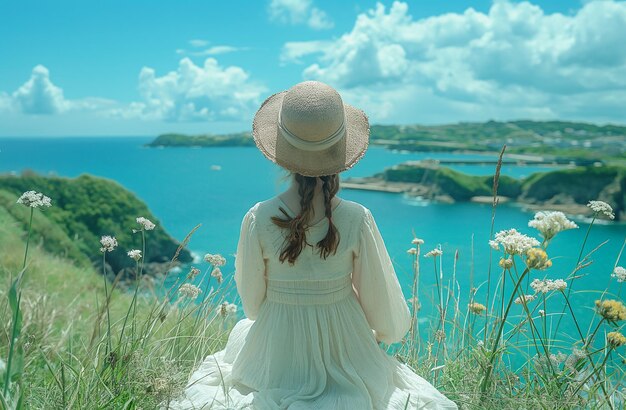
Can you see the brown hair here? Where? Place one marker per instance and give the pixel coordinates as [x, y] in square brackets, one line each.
[295, 240]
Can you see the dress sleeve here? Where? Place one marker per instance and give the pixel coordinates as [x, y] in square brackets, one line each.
[250, 268]
[377, 286]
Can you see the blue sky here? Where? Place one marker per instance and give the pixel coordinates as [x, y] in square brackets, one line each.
[146, 67]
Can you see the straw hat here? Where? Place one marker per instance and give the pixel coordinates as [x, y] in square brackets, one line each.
[309, 130]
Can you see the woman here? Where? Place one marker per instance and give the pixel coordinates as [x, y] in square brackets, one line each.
[315, 280]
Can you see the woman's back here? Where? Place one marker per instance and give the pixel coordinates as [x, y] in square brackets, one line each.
[347, 217]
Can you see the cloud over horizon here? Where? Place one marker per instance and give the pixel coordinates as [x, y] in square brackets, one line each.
[514, 60]
[195, 93]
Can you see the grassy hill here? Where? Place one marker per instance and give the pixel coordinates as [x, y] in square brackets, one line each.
[84, 209]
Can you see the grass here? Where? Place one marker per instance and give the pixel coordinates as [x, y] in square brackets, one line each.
[153, 349]
[77, 341]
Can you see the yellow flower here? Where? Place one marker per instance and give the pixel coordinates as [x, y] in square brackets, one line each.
[506, 263]
[611, 310]
[476, 308]
[616, 339]
[537, 258]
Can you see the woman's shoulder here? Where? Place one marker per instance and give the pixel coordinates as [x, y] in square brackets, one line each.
[349, 212]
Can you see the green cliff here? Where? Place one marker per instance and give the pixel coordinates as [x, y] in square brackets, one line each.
[83, 209]
[242, 139]
[566, 189]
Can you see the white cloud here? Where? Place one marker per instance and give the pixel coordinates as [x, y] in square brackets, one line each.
[212, 51]
[299, 12]
[39, 95]
[198, 43]
[195, 93]
[513, 61]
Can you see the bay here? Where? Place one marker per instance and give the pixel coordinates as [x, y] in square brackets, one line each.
[216, 186]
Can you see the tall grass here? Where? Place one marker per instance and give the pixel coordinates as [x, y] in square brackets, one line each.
[492, 346]
[135, 349]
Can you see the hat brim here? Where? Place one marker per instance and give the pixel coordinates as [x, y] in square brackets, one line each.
[333, 160]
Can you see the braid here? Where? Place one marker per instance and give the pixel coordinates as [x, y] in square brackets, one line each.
[328, 245]
[296, 226]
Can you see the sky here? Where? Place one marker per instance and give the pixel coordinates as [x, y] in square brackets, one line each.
[145, 67]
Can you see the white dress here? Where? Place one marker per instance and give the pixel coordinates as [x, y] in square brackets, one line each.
[309, 340]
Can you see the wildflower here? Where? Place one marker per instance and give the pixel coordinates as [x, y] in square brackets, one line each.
[134, 254]
[573, 359]
[476, 308]
[619, 273]
[434, 253]
[550, 223]
[193, 272]
[145, 223]
[559, 285]
[494, 245]
[542, 312]
[226, 309]
[412, 251]
[524, 299]
[537, 258]
[616, 339]
[554, 359]
[601, 207]
[217, 274]
[34, 199]
[109, 243]
[612, 310]
[189, 290]
[515, 243]
[417, 241]
[506, 263]
[548, 285]
[215, 260]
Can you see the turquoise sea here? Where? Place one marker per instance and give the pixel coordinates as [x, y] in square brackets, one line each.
[183, 188]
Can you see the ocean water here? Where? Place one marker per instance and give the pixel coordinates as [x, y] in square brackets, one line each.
[183, 188]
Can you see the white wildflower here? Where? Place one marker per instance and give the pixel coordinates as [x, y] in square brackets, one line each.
[34, 199]
[217, 274]
[190, 291]
[193, 272]
[134, 254]
[515, 243]
[145, 223]
[417, 241]
[601, 207]
[412, 251]
[559, 285]
[574, 358]
[619, 273]
[542, 312]
[226, 309]
[494, 245]
[215, 260]
[548, 285]
[109, 243]
[526, 299]
[550, 223]
[434, 253]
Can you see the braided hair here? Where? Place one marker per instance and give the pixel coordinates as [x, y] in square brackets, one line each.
[296, 227]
